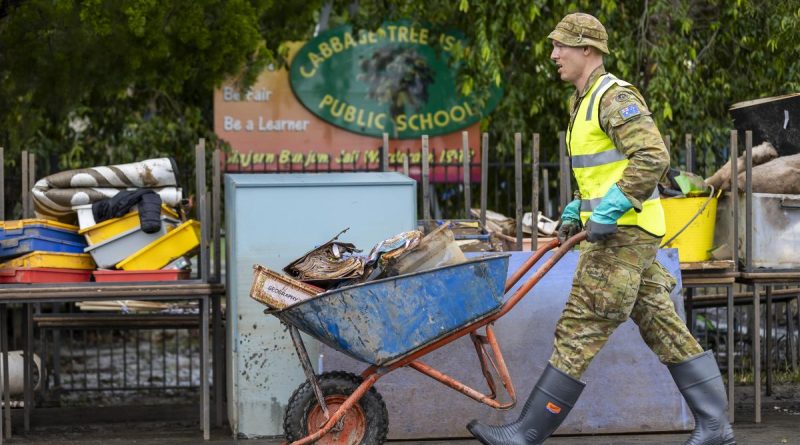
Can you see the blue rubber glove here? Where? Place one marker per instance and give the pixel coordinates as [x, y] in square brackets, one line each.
[570, 221]
[603, 222]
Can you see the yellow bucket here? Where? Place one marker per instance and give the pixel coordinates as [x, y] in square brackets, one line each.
[696, 242]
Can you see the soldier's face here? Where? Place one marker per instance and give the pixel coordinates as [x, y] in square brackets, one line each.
[570, 61]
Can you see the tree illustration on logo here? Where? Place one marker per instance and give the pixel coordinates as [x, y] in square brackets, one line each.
[398, 76]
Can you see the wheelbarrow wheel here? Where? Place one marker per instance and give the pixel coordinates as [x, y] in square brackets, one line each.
[366, 423]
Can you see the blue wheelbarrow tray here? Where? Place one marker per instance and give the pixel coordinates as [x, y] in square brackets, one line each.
[384, 320]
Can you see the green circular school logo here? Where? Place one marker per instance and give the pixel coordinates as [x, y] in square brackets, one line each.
[395, 80]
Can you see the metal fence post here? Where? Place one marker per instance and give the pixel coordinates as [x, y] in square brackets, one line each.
[426, 198]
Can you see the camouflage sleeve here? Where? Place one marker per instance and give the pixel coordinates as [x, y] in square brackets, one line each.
[626, 119]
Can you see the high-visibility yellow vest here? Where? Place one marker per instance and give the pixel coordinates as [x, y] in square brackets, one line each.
[597, 164]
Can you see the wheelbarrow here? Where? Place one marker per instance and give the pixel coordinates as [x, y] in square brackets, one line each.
[392, 323]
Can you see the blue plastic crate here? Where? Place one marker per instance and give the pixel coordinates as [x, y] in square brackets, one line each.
[13, 247]
[41, 229]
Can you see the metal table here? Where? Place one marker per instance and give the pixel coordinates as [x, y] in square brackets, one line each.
[28, 294]
[768, 280]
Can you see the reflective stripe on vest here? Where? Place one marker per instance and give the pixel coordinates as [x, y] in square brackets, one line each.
[597, 164]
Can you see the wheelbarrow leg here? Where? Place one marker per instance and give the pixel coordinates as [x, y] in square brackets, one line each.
[305, 362]
[498, 363]
[479, 341]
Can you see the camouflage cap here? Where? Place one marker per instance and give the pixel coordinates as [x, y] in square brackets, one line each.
[579, 29]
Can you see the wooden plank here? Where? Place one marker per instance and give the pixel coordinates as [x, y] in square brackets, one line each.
[564, 194]
[707, 265]
[116, 320]
[770, 276]
[216, 213]
[24, 185]
[535, 191]
[467, 170]
[2, 199]
[202, 212]
[748, 200]
[735, 195]
[31, 181]
[426, 192]
[484, 176]
[56, 291]
[518, 186]
[385, 153]
[690, 281]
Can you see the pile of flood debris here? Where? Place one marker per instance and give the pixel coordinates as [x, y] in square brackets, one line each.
[337, 264]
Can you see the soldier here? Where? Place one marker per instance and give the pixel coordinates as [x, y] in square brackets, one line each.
[618, 157]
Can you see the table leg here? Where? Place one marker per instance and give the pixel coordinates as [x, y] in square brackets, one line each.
[768, 340]
[756, 336]
[730, 352]
[28, 371]
[217, 358]
[4, 351]
[204, 368]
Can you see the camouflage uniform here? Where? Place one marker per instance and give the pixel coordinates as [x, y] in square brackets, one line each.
[619, 277]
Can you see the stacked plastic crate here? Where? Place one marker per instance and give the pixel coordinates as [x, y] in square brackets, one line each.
[42, 251]
[124, 252]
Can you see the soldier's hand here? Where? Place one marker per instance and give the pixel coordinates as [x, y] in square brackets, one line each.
[596, 231]
[568, 228]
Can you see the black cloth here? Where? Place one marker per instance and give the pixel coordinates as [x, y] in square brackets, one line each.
[149, 205]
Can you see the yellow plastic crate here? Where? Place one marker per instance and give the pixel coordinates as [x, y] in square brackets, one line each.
[52, 260]
[180, 241]
[18, 224]
[110, 228]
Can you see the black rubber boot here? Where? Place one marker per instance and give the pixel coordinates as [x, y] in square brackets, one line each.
[699, 381]
[551, 400]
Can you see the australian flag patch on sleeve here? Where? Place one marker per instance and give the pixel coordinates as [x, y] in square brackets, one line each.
[630, 111]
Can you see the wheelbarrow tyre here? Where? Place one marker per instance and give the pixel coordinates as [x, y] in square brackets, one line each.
[369, 414]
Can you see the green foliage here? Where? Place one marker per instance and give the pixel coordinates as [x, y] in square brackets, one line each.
[96, 82]
[691, 59]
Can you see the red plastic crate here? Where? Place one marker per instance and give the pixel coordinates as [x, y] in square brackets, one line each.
[44, 275]
[140, 275]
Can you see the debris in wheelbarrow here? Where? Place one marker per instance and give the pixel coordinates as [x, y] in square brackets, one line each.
[436, 249]
[393, 247]
[328, 265]
[278, 291]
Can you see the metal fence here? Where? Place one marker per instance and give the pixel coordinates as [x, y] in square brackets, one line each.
[113, 359]
[779, 331]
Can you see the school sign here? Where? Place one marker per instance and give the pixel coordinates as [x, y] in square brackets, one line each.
[395, 80]
[341, 92]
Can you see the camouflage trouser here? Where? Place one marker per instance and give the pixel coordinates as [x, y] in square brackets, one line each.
[616, 279]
